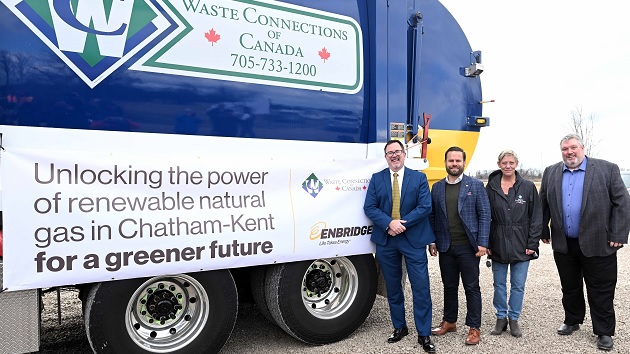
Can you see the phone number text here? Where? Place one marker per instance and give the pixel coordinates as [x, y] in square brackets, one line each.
[273, 65]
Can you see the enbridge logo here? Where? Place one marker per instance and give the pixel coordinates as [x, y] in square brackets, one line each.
[95, 37]
[322, 231]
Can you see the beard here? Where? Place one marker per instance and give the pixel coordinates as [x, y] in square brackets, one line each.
[572, 162]
[455, 172]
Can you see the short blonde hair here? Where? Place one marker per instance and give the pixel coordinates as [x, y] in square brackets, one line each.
[505, 153]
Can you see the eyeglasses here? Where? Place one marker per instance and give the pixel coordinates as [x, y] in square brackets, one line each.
[394, 153]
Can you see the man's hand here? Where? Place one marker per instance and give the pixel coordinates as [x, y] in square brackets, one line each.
[545, 240]
[396, 227]
[482, 252]
[615, 244]
[433, 250]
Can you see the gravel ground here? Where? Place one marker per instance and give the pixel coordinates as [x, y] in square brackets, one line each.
[542, 314]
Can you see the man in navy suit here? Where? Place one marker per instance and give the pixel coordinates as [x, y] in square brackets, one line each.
[588, 206]
[403, 230]
[461, 222]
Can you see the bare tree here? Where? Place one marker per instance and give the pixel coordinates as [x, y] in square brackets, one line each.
[21, 65]
[5, 66]
[13, 67]
[584, 126]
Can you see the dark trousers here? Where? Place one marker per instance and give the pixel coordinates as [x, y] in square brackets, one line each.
[461, 260]
[390, 259]
[600, 276]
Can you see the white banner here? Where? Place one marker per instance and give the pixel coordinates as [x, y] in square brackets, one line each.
[85, 214]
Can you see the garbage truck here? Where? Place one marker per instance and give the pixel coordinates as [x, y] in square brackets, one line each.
[172, 159]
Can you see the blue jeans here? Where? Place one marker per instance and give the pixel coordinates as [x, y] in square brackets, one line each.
[518, 276]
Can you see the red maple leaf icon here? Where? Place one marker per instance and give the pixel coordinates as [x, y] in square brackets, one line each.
[212, 36]
[324, 54]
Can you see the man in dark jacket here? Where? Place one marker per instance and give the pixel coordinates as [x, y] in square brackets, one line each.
[515, 231]
[461, 222]
[588, 206]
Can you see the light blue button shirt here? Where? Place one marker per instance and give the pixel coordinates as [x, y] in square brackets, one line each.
[572, 188]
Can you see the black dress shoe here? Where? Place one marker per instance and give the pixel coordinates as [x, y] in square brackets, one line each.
[604, 342]
[398, 334]
[427, 344]
[565, 329]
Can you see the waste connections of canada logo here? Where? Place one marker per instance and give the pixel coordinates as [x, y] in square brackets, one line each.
[213, 39]
[95, 37]
[312, 185]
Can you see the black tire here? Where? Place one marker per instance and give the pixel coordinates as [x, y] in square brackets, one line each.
[322, 301]
[195, 314]
[259, 293]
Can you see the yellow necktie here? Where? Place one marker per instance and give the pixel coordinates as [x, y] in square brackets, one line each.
[395, 198]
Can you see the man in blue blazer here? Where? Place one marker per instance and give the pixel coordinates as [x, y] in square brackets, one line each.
[403, 230]
[461, 222]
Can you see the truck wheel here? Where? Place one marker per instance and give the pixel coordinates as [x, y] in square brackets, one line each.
[257, 284]
[322, 301]
[167, 314]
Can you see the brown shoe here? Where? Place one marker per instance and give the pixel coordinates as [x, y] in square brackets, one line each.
[473, 336]
[444, 328]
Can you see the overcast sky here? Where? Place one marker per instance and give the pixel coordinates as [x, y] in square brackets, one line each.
[544, 59]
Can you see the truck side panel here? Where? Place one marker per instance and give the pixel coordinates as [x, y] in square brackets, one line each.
[47, 93]
[19, 320]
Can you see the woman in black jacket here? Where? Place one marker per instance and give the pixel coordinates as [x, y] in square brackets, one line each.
[514, 234]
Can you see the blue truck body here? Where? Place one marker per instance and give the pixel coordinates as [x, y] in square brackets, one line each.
[71, 77]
